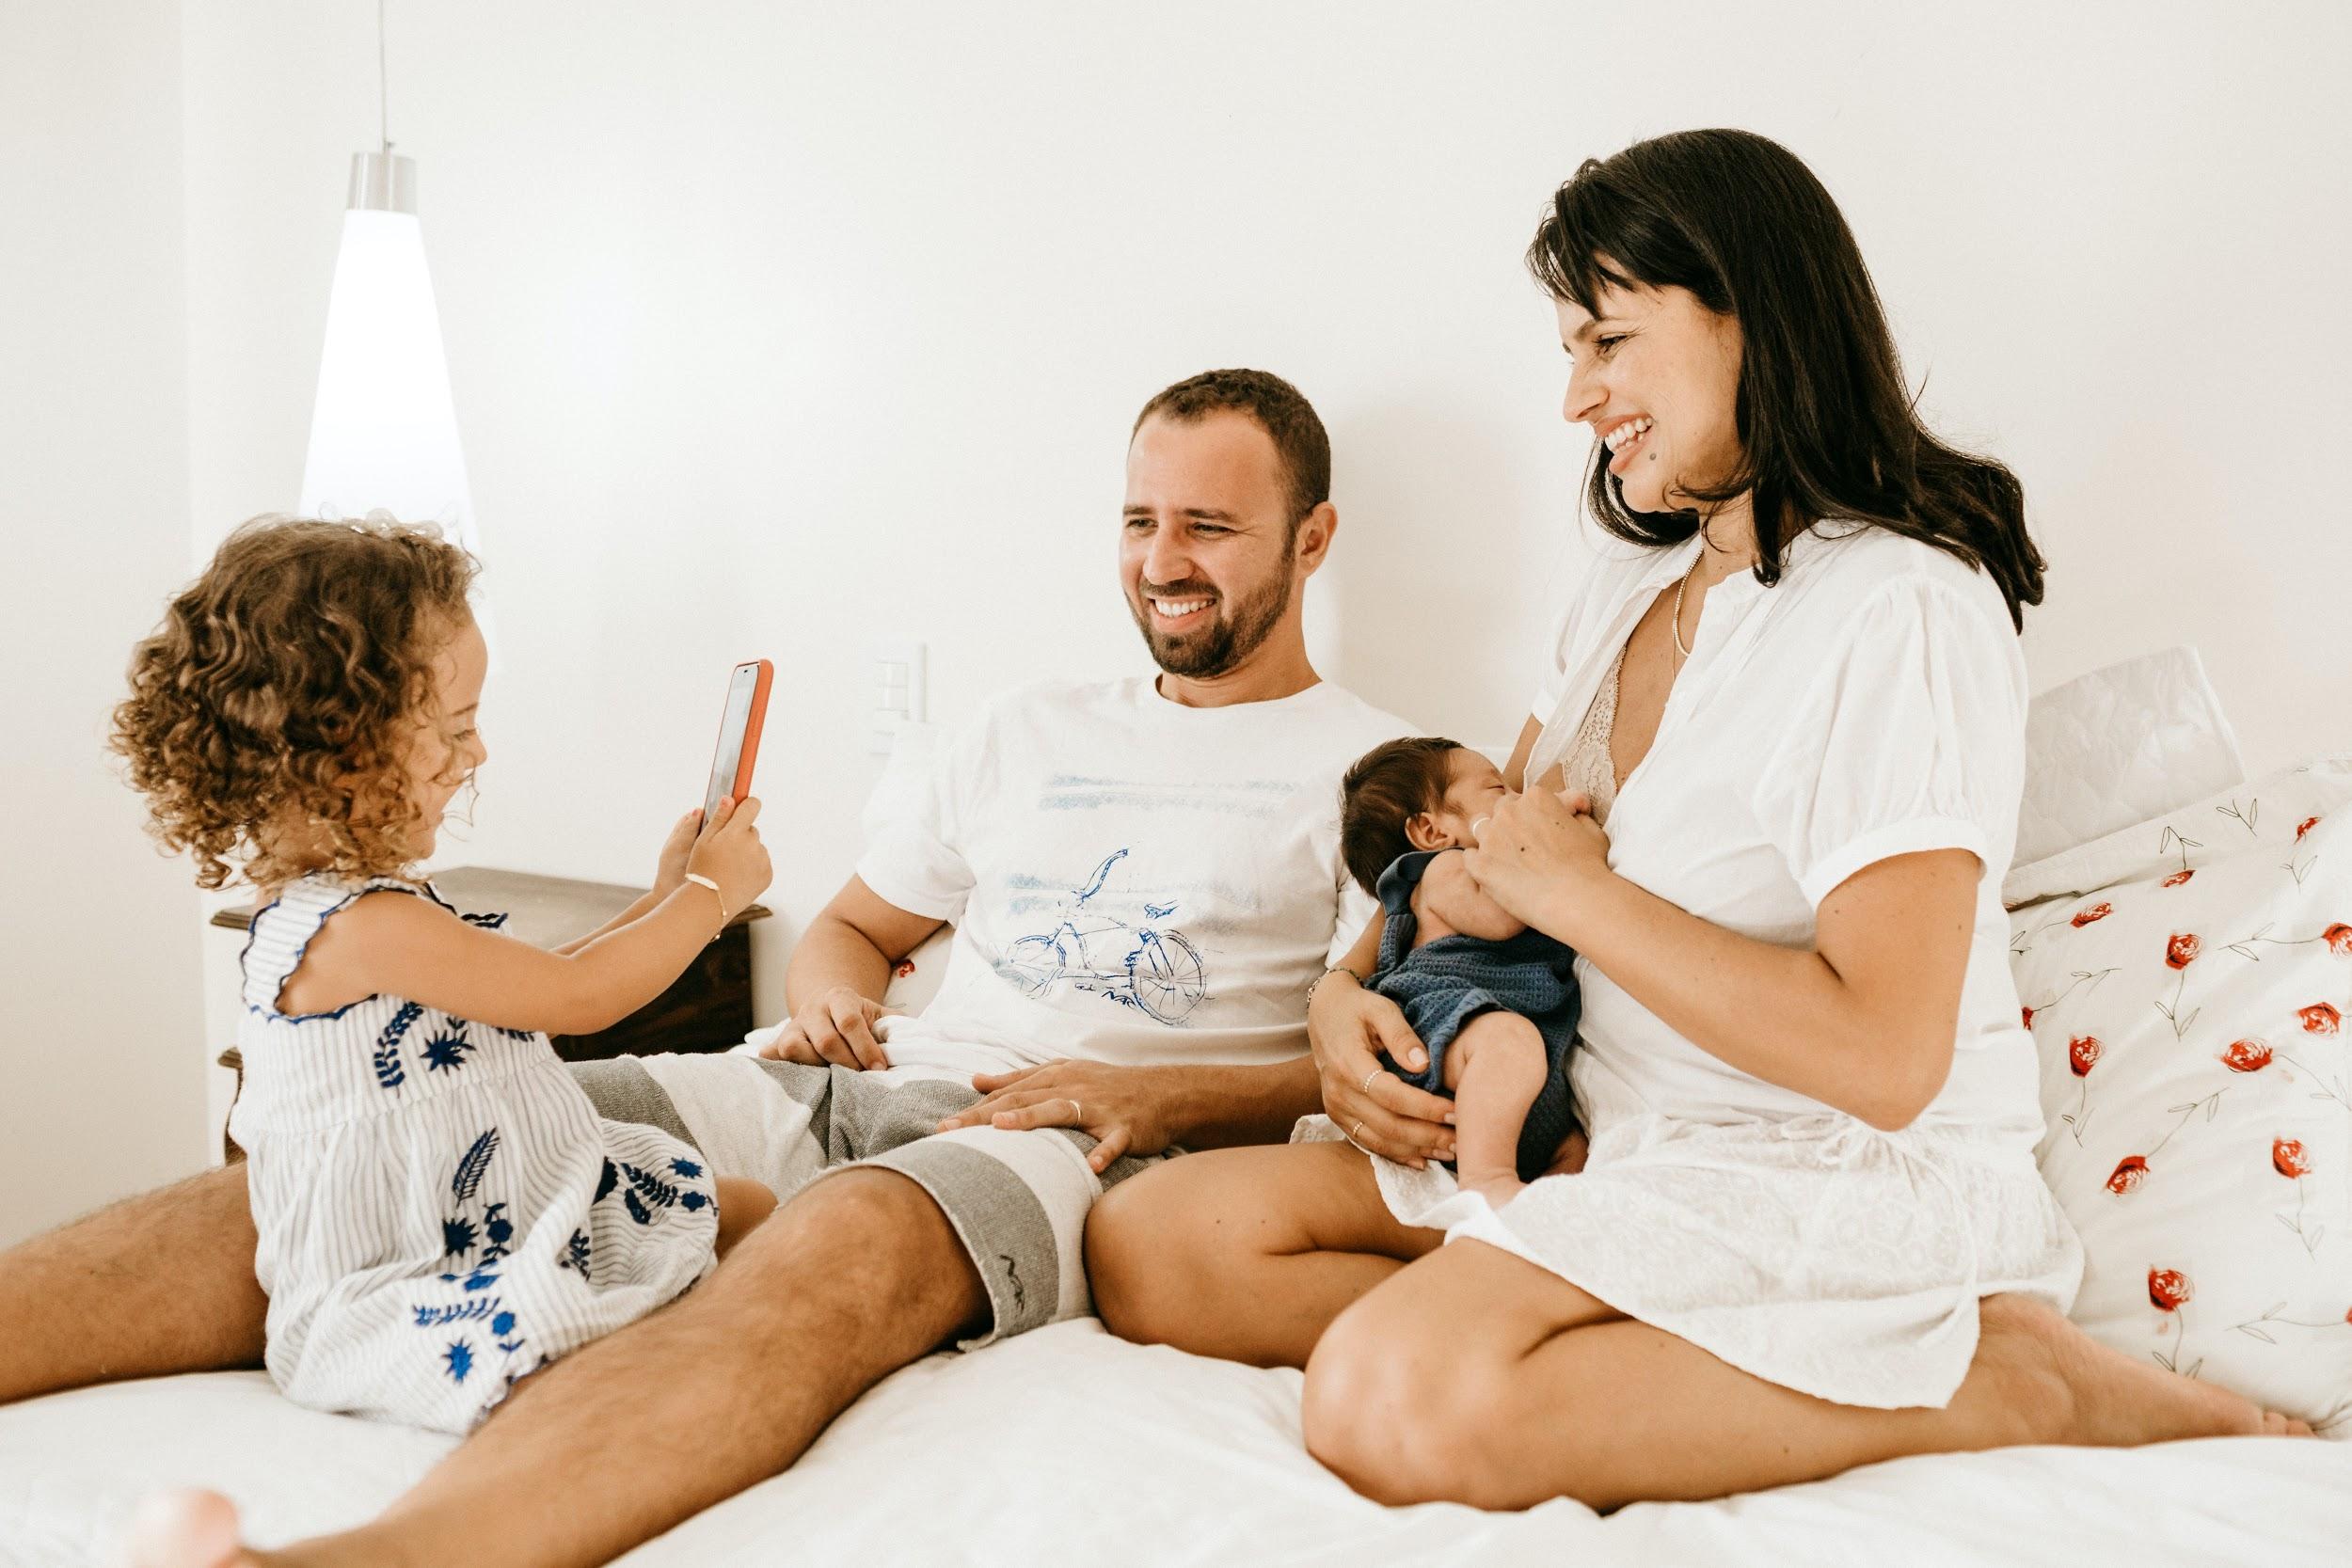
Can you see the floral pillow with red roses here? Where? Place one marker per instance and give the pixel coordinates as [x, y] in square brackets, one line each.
[2194, 1078]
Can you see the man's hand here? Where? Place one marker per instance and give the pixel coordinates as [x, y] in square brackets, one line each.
[1126, 1109]
[837, 1027]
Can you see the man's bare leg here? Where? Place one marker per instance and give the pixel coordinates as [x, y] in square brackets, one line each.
[854, 1278]
[159, 1283]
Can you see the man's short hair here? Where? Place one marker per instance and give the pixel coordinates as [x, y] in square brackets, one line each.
[1387, 787]
[1281, 411]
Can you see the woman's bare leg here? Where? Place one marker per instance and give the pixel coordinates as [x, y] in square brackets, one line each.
[1243, 1254]
[1538, 1391]
[742, 1205]
[159, 1283]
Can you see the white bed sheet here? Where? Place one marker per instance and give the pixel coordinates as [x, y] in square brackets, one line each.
[1067, 1445]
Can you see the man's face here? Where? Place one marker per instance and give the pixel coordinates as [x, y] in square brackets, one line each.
[1205, 553]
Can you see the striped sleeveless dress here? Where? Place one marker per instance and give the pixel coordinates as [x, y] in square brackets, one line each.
[441, 1211]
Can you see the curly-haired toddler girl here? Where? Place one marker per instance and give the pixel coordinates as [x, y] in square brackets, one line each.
[441, 1211]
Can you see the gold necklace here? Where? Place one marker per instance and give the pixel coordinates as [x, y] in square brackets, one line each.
[1680, 647]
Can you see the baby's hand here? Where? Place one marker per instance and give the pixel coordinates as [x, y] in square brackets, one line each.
[671, 873]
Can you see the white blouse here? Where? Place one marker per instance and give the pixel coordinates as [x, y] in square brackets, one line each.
[1871, 704]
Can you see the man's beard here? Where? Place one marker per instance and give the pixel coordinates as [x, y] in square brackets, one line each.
[1226, 641]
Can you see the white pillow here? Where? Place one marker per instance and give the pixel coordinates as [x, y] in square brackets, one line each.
[2120, 746]
[2189, 1016]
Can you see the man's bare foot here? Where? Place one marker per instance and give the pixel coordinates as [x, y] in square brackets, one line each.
[2061, 1386]
[1497, 1187]
[186, 1529]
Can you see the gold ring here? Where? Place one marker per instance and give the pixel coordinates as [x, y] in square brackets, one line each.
[1368, 1078]
[1355, 1137]
[1077, 1112]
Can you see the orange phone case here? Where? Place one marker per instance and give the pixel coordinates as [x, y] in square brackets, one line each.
[743, 786]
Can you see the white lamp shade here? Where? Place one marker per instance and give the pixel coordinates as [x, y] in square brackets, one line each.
[383, 432]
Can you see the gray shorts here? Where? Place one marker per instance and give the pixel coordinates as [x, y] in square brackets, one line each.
[1017, 1200]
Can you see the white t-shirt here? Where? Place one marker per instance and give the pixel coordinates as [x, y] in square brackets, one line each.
[1131, 880]
[1871, 704]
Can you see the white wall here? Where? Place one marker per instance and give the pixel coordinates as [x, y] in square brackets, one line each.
[783, 328]
[101, 1046]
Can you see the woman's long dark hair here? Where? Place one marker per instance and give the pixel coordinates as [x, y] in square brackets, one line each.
[1828, 430]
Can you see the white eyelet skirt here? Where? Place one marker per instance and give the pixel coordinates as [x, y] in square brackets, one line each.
[1814, 1251]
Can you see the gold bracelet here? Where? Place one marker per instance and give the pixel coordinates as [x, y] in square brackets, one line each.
[700, 880]
[1335, 969]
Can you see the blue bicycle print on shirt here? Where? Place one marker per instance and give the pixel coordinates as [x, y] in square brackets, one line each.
[1154, 970]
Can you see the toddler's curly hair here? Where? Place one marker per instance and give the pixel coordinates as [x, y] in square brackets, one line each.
[283, 688]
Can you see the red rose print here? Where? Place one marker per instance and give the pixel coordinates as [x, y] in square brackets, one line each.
[2339, 939]
[2309, 823]
[2096, 911]
[2320, 1018]
[2130, 1172]
[2168, 1288]
[2028, 1018]
[2288, 1159]
[2082, 1053]
[905, 968]
[2181, 950]
[2247, 1055]
[2178, 878]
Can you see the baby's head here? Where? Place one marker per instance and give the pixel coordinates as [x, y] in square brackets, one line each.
[1421, 793]
[309, 703]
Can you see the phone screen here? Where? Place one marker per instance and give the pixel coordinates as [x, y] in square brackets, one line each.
[724, 767]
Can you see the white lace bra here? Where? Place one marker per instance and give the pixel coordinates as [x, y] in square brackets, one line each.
[1587, 764]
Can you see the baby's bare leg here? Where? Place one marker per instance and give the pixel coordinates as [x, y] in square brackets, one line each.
[1496, 1069]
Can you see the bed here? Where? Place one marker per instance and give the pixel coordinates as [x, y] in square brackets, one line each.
[1070, 1445]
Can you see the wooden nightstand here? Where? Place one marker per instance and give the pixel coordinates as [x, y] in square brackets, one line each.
[707, 1008]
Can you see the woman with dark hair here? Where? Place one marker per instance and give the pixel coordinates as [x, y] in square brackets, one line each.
[1773, 776]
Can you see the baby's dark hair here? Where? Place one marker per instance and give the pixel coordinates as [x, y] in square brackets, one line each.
[1385, 789]
[280, 689]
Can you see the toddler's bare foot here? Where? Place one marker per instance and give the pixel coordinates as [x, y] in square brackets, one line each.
[186, 1529]
[2064, 1387]
[1497, 1187]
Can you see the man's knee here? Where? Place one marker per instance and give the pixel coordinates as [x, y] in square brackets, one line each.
[869, 1235]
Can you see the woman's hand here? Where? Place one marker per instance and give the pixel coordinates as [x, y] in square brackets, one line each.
[835, 1028]
[1121, 1108]
[671, 873]
[1534, 852]
[1348, 1026]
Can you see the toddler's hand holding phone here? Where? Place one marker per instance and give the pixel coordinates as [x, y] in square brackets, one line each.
[729, 853]
[671, 872]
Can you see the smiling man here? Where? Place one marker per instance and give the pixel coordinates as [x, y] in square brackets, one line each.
[1144, 877]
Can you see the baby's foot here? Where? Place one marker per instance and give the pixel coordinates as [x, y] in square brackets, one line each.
[186, 1529]
[1497, 1187]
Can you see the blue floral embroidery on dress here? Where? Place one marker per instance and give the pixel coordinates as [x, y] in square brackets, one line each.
[457, 1312]
[686, 1168]
[472, 1164]
[481, 1278]
[458, 1237]
[496, 1225]
[691, 1201]
[576, 1253]
[636, 1211]
[650, 1187]
[606, 1181]
[459, 1358]
[444, 1052]
[487, 922]
[389, 1073]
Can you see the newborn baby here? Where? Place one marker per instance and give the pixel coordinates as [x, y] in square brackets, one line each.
[1494, 1002]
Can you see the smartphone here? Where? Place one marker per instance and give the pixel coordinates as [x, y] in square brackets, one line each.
[739, 734]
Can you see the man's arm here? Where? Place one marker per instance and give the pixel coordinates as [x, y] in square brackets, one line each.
[840, 970]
